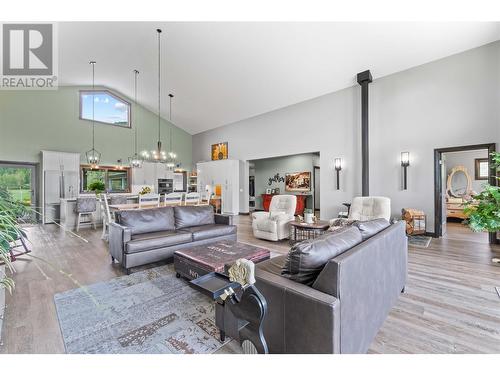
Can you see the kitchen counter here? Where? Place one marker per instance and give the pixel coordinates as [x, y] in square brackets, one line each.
[69, 217]
[128, 195]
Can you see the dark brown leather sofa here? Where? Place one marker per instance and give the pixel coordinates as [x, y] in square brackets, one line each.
[342, 309]
[140, 237]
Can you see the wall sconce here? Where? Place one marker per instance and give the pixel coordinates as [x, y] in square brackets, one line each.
[405, 163]
[338, 168]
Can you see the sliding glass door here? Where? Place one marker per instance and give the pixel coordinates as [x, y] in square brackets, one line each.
[20, 180]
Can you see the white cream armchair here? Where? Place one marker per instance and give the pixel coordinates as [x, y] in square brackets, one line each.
[368, 208]
[273, 225]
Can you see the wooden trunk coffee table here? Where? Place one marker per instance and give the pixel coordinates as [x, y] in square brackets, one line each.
[197, 261]
[300, 231]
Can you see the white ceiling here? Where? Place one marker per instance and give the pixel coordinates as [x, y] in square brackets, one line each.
[225, 72]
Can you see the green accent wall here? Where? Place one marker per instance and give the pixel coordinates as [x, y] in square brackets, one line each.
[31, 121]
[268, 168]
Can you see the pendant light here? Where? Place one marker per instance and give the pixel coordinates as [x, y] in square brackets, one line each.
[172, 157]
[157, 155]
[93, 156]
[135, 161]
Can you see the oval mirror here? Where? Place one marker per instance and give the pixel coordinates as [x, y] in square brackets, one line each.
[459, 182]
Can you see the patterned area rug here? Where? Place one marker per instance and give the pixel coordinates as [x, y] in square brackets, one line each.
[147, 312]
[419, 241]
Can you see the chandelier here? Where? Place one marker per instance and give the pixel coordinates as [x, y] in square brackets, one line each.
[135, 161]
[93, 156]
[157, 155]
[171, 156]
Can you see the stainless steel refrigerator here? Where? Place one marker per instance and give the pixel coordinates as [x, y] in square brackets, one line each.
[58, 185]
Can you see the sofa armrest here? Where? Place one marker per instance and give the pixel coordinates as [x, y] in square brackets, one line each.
[300, 319]
[281, 217]
[118, 237]
[367, 279]
[260, 215]
[223, 219]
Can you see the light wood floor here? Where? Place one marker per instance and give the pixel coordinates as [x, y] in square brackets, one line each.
[459, 231]
[450, 305]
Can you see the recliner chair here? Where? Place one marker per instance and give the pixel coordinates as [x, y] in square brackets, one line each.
[368, 208]
[273, 225]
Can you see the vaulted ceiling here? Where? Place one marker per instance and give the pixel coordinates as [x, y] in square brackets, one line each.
[225, 72]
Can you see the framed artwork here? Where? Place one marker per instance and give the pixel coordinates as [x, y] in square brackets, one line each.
[219, 151]
[481, 169]
[298, 181]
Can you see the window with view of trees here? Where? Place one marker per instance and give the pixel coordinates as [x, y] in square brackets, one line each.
[18, 182]
[105, 179]
[108, 108]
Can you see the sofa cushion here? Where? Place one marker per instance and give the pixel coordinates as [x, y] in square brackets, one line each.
[273, 265]
[155, 240]
[203, 232]
[371, 227]
[191, 216]
[147, 220]
[306, 259]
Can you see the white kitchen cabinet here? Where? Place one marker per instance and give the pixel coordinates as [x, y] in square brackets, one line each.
[60, 161]
[227, 174]
[149, 174]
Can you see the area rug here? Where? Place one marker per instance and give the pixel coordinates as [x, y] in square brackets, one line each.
[147, 312]
[419, 241]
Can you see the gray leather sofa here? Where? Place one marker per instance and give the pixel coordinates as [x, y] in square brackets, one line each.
[140, 237]
[342, 308]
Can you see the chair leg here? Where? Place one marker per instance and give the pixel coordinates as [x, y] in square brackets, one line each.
[78, 222]
[103, 235]
[93, 220]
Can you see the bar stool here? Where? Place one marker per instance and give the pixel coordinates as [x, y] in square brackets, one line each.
[85, 207]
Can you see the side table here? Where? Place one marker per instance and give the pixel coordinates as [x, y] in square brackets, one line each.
[300, 231]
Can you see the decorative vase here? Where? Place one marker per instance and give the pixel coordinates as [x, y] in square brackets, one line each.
[308, 218]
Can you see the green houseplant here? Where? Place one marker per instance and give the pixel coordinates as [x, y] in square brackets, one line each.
[11, 212]
[483, 210]
[97, 187]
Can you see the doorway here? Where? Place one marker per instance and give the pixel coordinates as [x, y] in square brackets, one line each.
[20, 179]
[455, 180]
[317, 192]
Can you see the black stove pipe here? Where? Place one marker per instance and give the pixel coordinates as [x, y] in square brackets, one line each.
[364, 79]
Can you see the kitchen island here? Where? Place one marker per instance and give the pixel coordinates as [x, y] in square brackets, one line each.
[69, 217]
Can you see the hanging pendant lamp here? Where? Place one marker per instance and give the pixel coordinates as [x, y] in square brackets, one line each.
[172, 156]
[158, 155]
[135, 161]
[93, 156]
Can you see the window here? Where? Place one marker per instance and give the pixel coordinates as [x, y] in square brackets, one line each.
[108, 108]
[108, 179]
[481, 169]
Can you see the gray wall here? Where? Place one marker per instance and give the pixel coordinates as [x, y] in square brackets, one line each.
[466, 159]
[267, 168]
[450, 102]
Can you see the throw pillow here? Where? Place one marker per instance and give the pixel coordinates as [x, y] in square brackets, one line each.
[370, 228]
[306, 259]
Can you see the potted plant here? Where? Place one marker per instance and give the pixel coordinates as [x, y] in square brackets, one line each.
[483, 210]
[10, 231]
[308, 216]
[97, 187]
